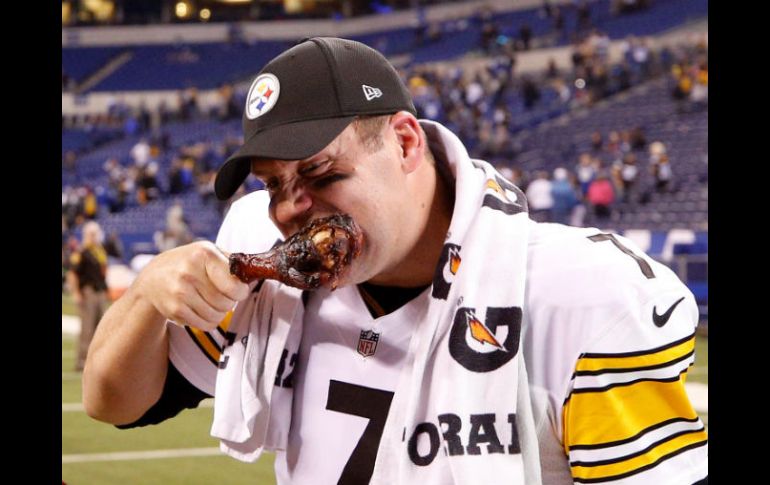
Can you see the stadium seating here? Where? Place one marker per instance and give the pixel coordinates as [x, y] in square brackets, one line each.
[208, 65]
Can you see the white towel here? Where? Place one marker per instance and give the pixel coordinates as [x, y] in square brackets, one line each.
[451, 371]
[242, 416]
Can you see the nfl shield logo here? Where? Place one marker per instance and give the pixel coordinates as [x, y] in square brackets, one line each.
[367, 343]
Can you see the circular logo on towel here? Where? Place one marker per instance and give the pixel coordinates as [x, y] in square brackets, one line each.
[483, 346]
[263, 94]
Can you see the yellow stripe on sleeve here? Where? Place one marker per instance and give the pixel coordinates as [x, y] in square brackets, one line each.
[225, 323]
[205, 342]
[599, 417]
[629, 362]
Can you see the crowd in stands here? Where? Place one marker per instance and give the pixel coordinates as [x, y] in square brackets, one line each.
[484, 105]
[610, 172]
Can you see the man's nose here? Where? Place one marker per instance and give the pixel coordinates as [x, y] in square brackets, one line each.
[294, 207]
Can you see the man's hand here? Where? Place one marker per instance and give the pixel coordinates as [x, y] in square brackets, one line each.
[191, 285]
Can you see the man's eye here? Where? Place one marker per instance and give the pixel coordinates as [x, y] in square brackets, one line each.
[313, 168]
[308, 169]
[328, 180]
[271, 184]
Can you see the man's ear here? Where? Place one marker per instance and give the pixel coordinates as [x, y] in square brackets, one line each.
[410, 138]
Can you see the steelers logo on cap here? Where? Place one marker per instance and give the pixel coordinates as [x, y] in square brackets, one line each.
[263, 94]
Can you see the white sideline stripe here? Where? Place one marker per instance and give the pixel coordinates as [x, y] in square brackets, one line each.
[140, 455]
[70, 407]
[70, 324]
[699, 395]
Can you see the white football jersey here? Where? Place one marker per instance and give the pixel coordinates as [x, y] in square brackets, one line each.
[608, 336]
[346, 373]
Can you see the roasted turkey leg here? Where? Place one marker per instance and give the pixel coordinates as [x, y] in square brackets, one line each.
[315, 256]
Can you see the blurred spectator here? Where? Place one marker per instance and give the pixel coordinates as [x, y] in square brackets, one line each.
[552, 71]
[148, 188]
[70, 161]
[699, 95]
[629, 174]
[601, 196]
[175, 182]
[140, 153]
[489, 29]
[87, 284]
[177, 232]
[525, 36]
[586, 172]
[596, 141]
[661, 172]
[539, 197]
[614, 146]
[90, 203]
[188, 104]
[530, 92]
[564, 196]
[637, 139]
[656, 150]
[114, 246]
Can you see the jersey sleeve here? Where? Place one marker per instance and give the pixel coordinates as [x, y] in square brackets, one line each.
[195, 353]
[609, 337]
[627, 418]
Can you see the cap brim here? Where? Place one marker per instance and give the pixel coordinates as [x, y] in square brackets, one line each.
[293, 141]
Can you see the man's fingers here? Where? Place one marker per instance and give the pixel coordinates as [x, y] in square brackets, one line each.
[218, 271]
[205, 312]
[213, 297]
[186, 316]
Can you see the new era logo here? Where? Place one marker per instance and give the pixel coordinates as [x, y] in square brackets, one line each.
[371, 92]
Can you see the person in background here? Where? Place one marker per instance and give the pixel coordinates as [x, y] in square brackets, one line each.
[87, 282]
[564, 196]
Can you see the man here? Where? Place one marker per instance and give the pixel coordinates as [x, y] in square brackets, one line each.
[411, 370]
[86, 279]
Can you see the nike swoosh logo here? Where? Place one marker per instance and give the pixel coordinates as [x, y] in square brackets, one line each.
[660, 320]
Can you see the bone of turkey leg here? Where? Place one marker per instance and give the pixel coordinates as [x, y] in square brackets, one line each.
[315, 256]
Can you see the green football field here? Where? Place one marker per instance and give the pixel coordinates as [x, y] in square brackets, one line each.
[178, 451]
[95, 453]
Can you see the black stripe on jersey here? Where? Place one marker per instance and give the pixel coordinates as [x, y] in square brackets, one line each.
[258, 286]
[632, 369]
[629, 383]
[221, 332]
[636, 453]
[642, 468]
[213, 342]
[638, 352]
[634, 437]
[201, 347]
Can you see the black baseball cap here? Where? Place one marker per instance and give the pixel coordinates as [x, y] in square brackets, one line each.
[302, 99]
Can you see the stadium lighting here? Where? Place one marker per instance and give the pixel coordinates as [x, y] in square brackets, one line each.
[182, 10]
[205, 14]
